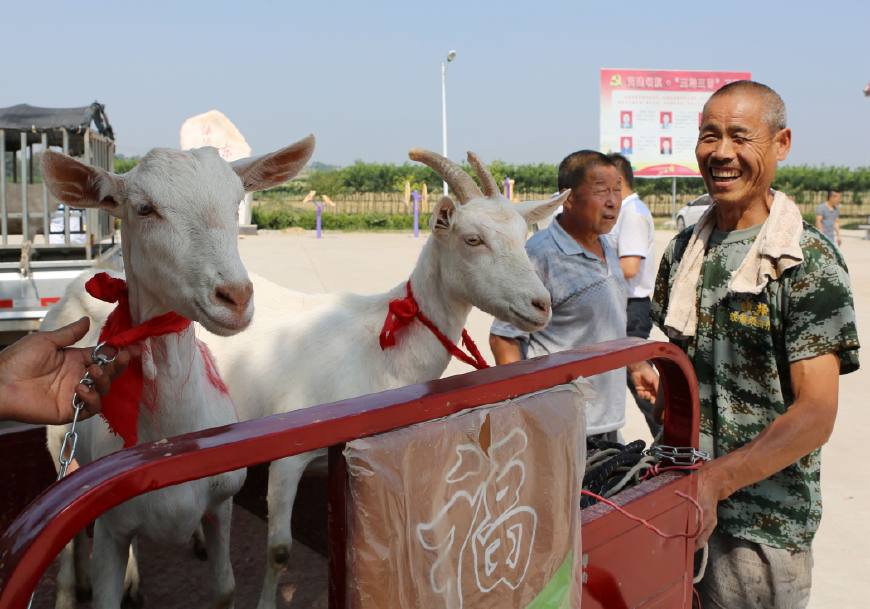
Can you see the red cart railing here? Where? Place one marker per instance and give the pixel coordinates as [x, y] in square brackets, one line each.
[34, 538]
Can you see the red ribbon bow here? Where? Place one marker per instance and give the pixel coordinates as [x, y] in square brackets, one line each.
[121, 403]
[403, 311]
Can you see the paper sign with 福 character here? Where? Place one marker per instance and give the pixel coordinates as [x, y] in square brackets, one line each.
[480, 509]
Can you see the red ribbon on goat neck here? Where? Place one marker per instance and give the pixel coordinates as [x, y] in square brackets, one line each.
[121, 403]
[403, 311]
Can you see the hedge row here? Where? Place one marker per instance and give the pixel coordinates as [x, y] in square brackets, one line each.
[277, 218]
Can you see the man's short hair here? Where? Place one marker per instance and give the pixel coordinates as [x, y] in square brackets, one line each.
[624, 167]
[774, 112]
[831, 193]
[573, 168]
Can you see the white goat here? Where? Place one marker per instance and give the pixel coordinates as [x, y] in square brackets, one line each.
[327, 348]
[179, 239]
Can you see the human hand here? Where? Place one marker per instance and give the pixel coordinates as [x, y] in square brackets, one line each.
[658, 412]
[40, 373]
[711, 491]
[645, 380]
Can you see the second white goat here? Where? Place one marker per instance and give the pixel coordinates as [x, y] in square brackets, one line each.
[327, 348]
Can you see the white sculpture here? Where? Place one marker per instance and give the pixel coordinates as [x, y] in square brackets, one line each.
[214, 129]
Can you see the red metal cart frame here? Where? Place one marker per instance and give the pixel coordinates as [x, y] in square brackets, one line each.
[31, 542]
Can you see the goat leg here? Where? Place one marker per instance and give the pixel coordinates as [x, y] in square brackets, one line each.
[66, 581]
[110, 555]
[82, 557]
[216, 528]
[284, 477]
[197, 542]
[133, 597]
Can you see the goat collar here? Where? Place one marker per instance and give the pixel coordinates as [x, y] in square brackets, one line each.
[403, 311]
[121, 403]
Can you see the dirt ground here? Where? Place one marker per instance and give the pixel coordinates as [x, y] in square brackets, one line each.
[365, 262]
[174, 578]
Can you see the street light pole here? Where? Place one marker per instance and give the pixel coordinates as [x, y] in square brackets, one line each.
[450, 57]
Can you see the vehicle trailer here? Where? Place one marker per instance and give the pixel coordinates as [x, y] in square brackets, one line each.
[44, 244]
[624, 564]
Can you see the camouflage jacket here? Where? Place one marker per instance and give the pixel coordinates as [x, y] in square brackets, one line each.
[741, 353]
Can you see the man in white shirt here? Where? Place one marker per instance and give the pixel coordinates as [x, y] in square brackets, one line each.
[633, 237]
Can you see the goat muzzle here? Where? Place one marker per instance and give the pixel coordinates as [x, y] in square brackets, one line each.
[234, 296]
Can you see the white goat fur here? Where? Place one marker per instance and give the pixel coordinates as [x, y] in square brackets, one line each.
[301, 351]
[179, 241]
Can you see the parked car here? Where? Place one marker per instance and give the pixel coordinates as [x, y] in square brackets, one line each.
[691, 213]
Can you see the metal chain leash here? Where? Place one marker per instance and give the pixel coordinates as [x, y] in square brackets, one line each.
[71, 437]
[678, 455]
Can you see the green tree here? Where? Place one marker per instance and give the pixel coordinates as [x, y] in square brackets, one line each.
[124, 164]
[326, 182]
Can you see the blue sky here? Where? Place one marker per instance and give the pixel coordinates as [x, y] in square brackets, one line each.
[364, 77]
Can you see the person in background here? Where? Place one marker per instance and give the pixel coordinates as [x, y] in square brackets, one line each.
[40, 373]
[828, 217]
[581, 271]
[633, 237]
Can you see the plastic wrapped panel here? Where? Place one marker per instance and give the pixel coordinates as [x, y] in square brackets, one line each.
[477, 510]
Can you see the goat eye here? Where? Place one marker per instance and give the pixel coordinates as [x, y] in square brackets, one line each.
[473, 240]
[144, 209]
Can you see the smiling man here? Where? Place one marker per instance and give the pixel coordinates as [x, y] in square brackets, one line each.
[581, 270]
[761, 304]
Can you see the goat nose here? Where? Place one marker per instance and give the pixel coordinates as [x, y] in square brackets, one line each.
[234, 295]
[542, 305]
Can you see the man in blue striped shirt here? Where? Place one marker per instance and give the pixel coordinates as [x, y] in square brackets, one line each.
[580, 269]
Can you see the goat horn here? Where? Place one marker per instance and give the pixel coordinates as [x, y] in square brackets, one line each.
[465, 188]
[490, 187]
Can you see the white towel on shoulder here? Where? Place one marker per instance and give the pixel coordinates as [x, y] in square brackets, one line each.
[775, 250]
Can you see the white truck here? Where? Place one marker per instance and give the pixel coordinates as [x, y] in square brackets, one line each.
[44, 244]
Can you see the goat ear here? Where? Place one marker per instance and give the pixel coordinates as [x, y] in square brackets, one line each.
[442, 215]
[81, 185]
[535, 211]
[276, 167]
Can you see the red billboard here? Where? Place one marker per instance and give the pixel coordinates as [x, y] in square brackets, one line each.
[652, 116]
